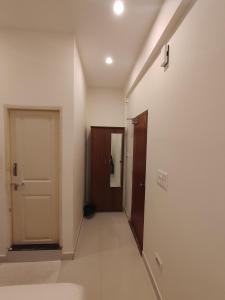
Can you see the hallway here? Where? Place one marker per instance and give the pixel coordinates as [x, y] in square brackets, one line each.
[109, 106]
[107, 261]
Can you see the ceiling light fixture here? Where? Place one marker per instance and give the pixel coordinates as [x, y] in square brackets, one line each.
[109, 60]
[118, 7]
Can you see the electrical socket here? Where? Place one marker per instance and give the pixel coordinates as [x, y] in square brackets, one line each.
[162, 179]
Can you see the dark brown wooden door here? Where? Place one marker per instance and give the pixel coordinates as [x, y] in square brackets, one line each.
[139, 172]
[103, 196]
[100, 168]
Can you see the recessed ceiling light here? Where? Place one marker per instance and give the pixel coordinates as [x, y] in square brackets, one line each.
[109, 60]
[118, 7]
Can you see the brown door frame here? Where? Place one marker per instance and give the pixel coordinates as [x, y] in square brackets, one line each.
[137, 238]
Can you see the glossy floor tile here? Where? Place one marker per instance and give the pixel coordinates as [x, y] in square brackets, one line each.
[108, 264]
[29, 273]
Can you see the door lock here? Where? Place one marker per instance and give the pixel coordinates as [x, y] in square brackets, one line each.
[15, 169]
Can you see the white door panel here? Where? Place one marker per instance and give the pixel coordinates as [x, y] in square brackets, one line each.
[35, 150]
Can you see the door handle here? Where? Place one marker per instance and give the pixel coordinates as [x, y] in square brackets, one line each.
[17, 185]
[141, 185]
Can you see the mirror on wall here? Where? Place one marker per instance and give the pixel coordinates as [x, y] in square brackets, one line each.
[116, 159]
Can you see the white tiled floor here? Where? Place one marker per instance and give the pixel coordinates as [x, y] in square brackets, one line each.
[29, 273]
[107, 263]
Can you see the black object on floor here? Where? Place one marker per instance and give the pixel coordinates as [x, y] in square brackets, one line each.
[33, 247]
[89, 210]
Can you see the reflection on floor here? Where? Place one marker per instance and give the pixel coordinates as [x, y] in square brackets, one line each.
[107, 263]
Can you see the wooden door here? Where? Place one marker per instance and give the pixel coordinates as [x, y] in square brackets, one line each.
[139, 172]
[34, 143]
[106, 193]
[100, 151]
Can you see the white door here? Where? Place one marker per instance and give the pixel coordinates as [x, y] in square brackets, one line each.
[34, 145]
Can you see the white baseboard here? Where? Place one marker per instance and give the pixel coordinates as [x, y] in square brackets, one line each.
[152, 278]
[78, 235]
[3, 258]
[71, 255]
[149, 270]
[127, 215]
[67, 256]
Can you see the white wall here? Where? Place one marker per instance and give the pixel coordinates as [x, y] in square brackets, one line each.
[105, 107]
[37, 69]
[185, 225]
[164, 17]
[80, 92]
[168, 20]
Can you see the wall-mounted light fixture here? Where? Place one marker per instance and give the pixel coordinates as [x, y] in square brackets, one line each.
[166, 59]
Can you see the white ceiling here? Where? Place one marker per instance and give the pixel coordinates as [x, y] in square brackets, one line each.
[98, 31]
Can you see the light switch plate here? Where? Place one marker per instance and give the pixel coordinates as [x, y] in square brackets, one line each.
[162, 179]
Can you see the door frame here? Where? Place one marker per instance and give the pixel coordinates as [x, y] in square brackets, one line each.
[130, 221]
[7, 109]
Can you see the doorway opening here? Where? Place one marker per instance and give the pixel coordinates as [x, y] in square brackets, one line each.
[139, 174]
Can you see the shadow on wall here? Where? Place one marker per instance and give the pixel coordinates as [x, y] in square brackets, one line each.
[88, 166]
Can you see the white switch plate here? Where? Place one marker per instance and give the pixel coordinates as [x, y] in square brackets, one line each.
[162, 179]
